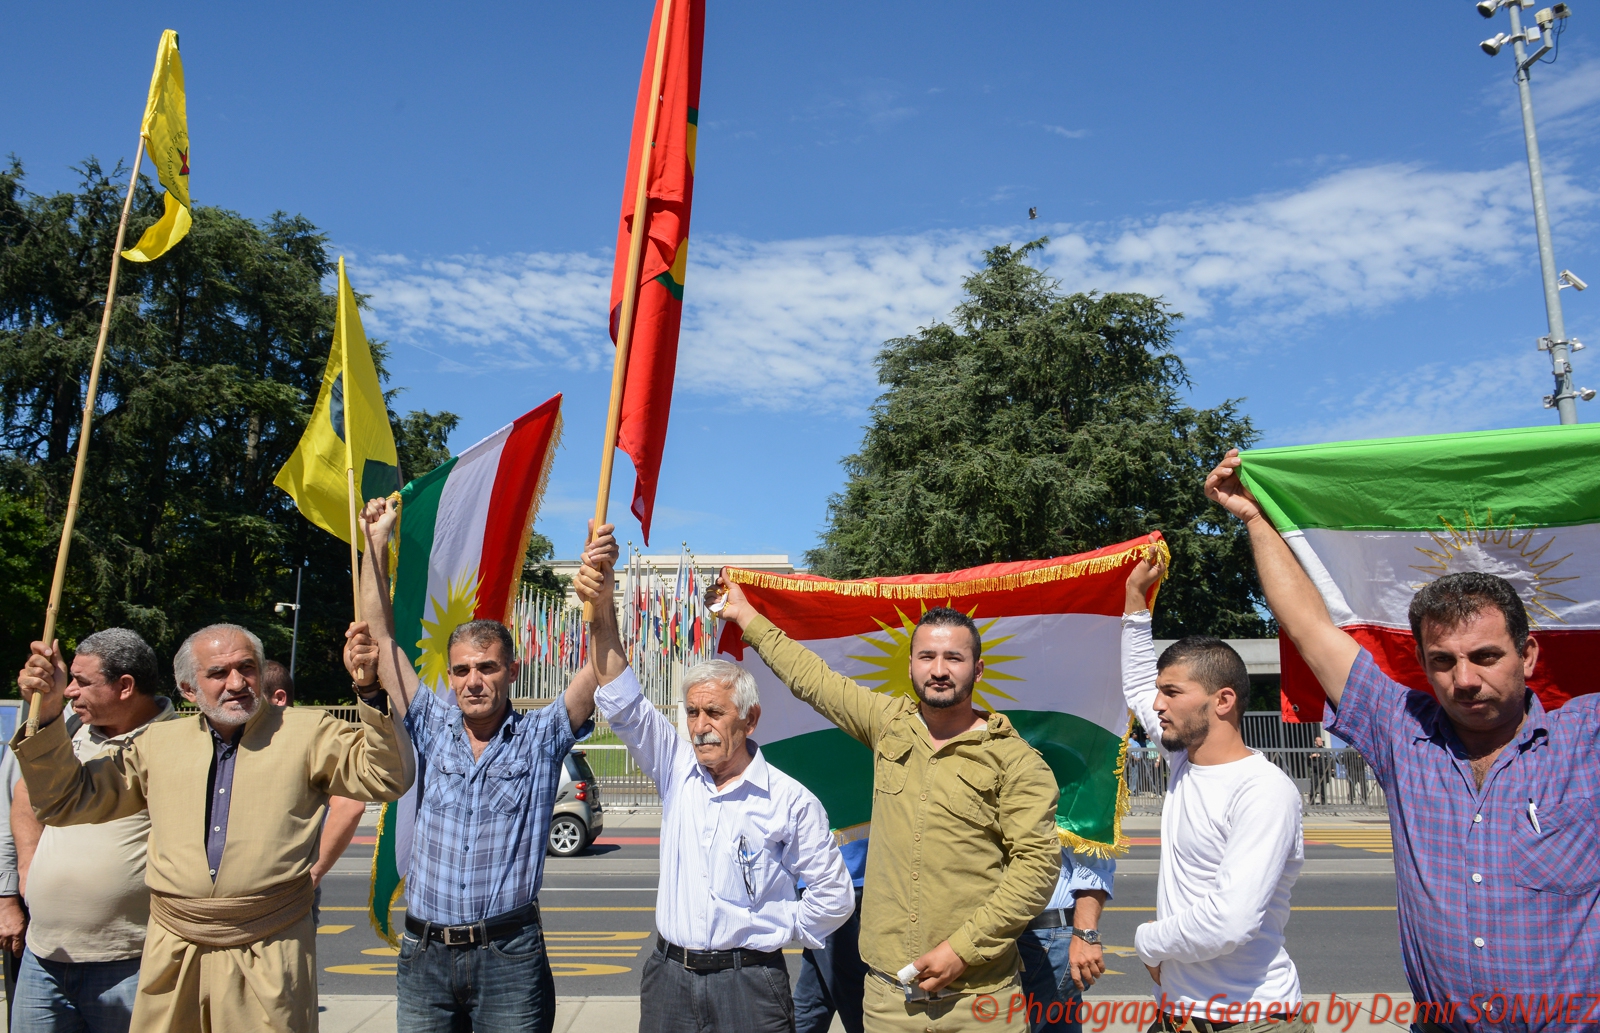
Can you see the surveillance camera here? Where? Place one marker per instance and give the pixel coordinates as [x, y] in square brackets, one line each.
[1561, 10]
[1492, 46]
[1545, 17]
[1488, 7]
[1570, 279]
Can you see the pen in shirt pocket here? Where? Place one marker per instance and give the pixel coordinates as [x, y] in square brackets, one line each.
[1533, 816]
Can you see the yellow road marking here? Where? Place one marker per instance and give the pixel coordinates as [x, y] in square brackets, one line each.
[331, 930]
[575, 968]
[603, 935]
[1342, 907]
[362, 970]
[382, 952]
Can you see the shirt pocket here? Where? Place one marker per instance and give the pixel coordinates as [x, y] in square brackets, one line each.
[444, 782]
[747, 879]
[1564, 856]
[973, 797]
[889, 765]
[508, 787]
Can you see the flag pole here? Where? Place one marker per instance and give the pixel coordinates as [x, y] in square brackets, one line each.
[630, 287]
[53, 609]
[350, 469]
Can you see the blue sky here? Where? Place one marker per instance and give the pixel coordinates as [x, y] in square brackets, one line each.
[1334, 195]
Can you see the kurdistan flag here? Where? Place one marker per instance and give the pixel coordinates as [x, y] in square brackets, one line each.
[1373, 521]
[464, 531]
[1051, 650]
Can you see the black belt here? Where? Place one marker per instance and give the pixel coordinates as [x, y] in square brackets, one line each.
[1203, 1026]
[498, 927]
[717, 961]
[1055, 918]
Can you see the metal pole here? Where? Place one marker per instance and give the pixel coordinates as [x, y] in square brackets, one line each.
[294, 639]
[1560, 356]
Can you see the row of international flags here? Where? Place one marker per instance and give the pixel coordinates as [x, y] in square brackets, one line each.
[664, 623]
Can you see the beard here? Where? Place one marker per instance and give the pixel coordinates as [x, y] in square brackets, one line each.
[1190, 734]
[957, 695]
[230, 714]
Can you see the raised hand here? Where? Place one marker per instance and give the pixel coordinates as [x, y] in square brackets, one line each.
[361, 653]
[593, 582]
[735, 607]
[1224, 487]
[378, 519]
[1145, 575]
[45, 674]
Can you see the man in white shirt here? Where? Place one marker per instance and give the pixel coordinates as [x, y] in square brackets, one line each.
[736, 836]
[1231, 845]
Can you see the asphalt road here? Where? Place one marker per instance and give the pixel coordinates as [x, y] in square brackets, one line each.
[599, 918]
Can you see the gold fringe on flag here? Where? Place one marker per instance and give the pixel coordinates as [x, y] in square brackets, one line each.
[880, 589]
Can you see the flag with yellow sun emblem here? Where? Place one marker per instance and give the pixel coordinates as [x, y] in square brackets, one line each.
[1051, 633]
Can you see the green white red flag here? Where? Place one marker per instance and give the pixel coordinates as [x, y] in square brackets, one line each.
[464, 529]
[1373, 521]
[1051, 649]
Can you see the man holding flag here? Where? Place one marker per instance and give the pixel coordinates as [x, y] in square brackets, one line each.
[473, 953]
[1492, 798]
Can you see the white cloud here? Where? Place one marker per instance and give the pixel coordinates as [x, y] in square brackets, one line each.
[1564, 100]
[796, 323]
[1437, 398]
[1070, 134]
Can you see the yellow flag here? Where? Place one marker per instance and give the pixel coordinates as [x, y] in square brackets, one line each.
[166, 140]
[349, 430]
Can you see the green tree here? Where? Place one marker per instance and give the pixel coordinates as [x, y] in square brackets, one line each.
[213, 362]
[1041, 424]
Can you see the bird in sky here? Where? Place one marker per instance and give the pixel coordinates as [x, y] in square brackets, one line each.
[1033, 213]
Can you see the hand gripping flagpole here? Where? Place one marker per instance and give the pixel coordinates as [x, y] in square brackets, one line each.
[53, 609]
[630, 288]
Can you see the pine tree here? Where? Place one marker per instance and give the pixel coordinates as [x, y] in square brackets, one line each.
[1039, 424]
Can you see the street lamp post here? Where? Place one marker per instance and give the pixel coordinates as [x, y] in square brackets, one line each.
[1564, 398]
[294, 637]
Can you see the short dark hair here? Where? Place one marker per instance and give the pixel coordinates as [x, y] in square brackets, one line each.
[481, 633]
[946, 617]
[1211, 662]
[275, 676]
[124, 652]
[1454, 599]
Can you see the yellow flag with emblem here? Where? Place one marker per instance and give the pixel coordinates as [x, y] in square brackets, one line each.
[166, 138]
[349, 430]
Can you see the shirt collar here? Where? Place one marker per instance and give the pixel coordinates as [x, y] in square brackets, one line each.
[756, 773]
[1535, 731]
[164, 710]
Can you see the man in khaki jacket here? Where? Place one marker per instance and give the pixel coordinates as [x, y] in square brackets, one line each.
[964, 848]
[230, 945]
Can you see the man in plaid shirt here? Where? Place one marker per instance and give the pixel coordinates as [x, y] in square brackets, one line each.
[1494, 803]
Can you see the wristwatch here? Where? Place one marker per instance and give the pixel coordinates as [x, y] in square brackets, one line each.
[1089, 936]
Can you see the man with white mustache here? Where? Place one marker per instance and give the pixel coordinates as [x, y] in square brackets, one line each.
[236, 797]
[736, 837]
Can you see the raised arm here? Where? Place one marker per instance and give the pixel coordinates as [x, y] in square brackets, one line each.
[374, 638]
[859, 712]
[1138, 646]
[1294, 600]
[651, 739]
[600, 554]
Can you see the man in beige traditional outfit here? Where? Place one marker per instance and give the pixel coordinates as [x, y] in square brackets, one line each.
[230, 945]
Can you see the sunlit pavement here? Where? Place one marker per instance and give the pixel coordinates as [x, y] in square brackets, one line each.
[598, 914]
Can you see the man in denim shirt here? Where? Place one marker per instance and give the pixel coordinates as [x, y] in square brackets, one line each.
[473, 954]
[1061, 954]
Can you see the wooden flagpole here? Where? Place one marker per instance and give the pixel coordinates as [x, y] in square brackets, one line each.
[53, 609]
[630, 287]
[350, 471]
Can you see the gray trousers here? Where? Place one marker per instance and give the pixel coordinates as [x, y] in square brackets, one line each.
[673, 999]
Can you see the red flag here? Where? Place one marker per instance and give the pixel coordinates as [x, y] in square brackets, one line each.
[653, 352]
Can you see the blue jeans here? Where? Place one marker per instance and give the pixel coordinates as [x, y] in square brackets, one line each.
[1047, 980]
[74, 997]
[831, 980]
[503, 986]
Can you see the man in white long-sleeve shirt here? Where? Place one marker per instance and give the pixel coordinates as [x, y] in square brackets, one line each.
[736, 835]
[1231, 845]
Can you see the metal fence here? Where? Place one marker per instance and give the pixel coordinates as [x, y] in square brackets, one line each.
[1329, 780]
[622, 784]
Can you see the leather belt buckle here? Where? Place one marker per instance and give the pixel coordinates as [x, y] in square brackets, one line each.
[448, 935]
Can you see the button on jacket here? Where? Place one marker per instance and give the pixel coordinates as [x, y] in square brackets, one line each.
[964, 844]
[731, 857]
